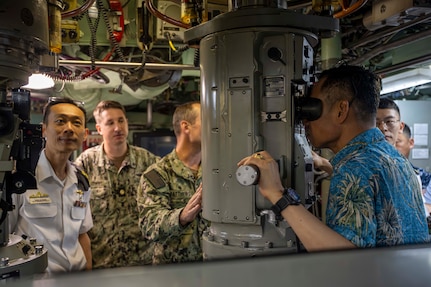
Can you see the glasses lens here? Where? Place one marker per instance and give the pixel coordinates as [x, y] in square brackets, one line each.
[390, 124]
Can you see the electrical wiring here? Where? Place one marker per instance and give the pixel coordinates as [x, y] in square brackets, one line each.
[172, 46]
[78, 11]
[163, 17]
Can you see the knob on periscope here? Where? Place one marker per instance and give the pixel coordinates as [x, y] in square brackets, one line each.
[248, 174]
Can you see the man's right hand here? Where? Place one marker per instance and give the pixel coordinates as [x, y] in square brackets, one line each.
[193, 207]
[270, 185]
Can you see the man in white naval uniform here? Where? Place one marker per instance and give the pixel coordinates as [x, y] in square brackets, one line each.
[57, 213]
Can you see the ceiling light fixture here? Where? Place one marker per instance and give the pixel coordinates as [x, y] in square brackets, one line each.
[405, 80]
[39, 82]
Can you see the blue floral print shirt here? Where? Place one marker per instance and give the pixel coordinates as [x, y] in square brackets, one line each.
[375, 197]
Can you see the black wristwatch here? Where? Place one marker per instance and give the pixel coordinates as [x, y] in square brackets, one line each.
[290, 197]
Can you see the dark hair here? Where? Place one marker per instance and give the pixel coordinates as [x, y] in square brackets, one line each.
[184, 112]
[52, 101]
[106, 105]
[406, 131]
[355, 84]
[386, 103]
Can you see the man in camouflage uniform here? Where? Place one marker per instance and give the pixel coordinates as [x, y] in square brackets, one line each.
[170, 194]
[114, 169]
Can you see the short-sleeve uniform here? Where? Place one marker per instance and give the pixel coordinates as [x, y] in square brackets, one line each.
[55, 213]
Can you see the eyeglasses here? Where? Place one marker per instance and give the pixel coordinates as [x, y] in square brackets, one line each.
[60, 100]
[390, 124]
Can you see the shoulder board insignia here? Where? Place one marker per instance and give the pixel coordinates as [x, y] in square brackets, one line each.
[83, 181]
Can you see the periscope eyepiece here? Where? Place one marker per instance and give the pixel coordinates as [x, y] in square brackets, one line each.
[307, 108]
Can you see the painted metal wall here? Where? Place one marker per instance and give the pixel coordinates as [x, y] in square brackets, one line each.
[417, 114]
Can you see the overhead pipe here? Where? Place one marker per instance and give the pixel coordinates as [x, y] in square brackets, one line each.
[403, 65]
[148, 66]
[388, 32]
[349, 10]
[390, 46]
[292, 5]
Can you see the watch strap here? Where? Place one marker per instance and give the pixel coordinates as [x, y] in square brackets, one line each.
[290, 197]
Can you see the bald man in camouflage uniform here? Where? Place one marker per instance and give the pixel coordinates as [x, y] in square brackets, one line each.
[170, 194]
[115, 169]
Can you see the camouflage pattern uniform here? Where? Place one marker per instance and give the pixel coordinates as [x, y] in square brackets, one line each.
[116, 239]
[164, 191]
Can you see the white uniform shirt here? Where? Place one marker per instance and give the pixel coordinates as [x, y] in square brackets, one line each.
[49, 215]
